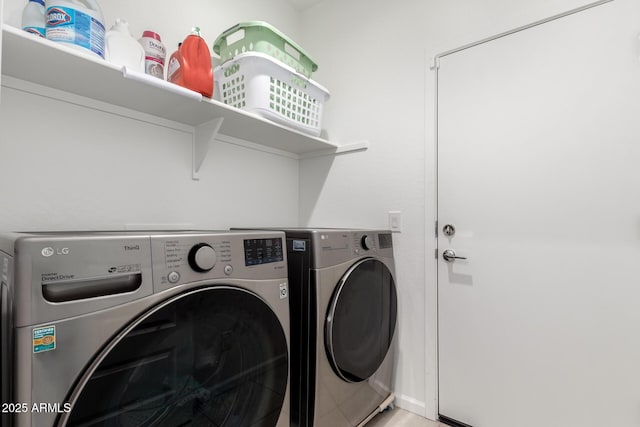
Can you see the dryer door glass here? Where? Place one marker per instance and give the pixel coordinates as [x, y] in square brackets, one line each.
[361, 320]
[213, 357]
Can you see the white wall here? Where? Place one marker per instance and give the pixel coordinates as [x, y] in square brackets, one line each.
[374, 57]
[65, 166]
[1, 17]
[1, 20]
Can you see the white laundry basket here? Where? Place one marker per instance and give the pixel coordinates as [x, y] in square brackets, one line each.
[257, 82]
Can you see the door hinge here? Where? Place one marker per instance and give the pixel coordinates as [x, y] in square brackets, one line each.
[436, 230]
[435, 252]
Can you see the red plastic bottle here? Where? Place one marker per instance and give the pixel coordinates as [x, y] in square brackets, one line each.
[190, 66]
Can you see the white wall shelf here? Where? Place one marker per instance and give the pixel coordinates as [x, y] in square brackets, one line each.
[56, 66]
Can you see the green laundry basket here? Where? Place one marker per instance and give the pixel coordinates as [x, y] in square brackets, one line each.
[258, 36]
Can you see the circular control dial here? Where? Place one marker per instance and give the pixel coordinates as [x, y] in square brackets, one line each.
[202, 257]
[366, 242]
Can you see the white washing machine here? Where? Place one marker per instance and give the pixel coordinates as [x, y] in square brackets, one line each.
[144, 329]
[343, 311]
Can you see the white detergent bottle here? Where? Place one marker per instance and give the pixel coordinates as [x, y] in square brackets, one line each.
[76, 23]
[122, 49]
[33, 17]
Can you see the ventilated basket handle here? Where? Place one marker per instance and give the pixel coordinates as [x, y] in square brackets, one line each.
[287, 45]
[223, 37]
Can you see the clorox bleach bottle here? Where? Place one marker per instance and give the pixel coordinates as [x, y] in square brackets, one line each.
[33, 17]
[77, 23]
[122, 49]
[190, 66]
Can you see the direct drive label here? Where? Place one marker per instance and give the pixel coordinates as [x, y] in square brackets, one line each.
[44, 339]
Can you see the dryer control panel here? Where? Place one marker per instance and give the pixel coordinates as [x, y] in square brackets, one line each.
[331, 247]
[371, 242]
[187, 258]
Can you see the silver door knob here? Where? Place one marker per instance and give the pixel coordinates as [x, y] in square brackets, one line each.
[449, 255]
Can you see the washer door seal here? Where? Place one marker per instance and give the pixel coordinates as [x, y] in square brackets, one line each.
[361, 320]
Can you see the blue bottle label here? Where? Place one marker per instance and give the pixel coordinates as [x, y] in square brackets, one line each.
[68, 25]
[39, 31]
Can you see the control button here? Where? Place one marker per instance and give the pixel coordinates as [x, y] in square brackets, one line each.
[173, 277]
[284, 292]
[366, 242]
[202, 257]
[228, 270]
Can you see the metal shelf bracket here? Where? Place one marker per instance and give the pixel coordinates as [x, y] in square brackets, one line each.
[346, 148]
[203, 135]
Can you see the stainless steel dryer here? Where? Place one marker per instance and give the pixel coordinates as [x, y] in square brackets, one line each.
[343, 308]
[145, 329]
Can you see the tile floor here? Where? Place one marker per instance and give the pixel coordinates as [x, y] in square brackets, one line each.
[400, 418]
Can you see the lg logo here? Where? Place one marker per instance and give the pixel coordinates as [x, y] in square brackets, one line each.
[49, 251]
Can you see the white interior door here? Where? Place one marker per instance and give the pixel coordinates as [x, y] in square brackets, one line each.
[539, 173]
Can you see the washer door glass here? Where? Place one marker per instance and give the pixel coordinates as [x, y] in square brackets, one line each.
[213, 357]
[361, 320]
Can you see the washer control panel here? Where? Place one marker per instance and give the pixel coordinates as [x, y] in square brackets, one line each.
[263, 251]
[186, 258]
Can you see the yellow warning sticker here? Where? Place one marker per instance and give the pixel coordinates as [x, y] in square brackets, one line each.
[44, 339]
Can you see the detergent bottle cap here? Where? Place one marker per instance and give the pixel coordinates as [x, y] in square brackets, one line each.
[151, 34]
[121, 25]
